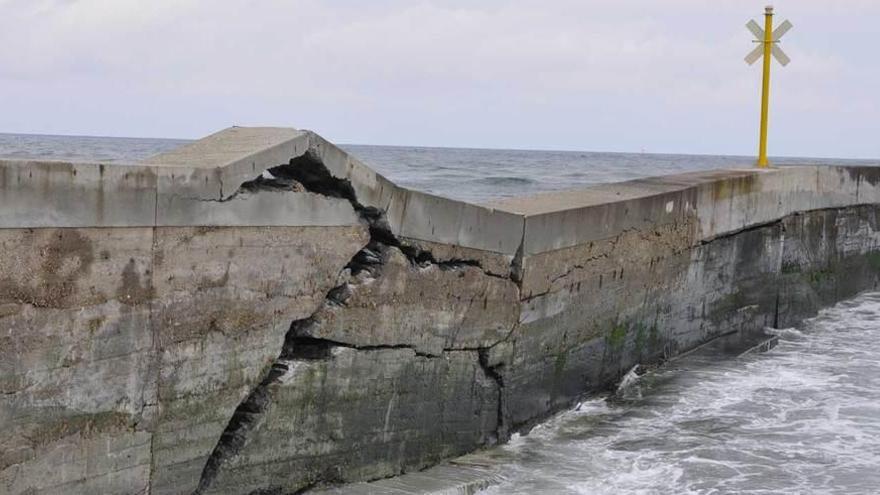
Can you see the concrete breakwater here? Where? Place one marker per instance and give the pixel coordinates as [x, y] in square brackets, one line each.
[260, 312]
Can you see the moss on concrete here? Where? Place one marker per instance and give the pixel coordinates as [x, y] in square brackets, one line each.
[874, 260]
[616, 338]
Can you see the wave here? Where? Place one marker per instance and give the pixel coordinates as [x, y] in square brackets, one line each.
[505, 181]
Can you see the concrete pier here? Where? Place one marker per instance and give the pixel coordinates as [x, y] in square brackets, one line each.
[260, 312]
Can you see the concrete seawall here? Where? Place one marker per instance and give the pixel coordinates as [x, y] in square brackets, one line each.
[259, 312]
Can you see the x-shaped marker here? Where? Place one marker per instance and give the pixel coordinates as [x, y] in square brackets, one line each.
[777, 52]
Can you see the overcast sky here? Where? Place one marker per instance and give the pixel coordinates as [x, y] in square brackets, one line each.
[623, 75]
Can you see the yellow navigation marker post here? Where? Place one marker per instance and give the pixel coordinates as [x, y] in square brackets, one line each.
[768, 39]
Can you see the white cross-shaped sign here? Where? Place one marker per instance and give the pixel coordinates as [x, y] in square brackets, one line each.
[777, 52]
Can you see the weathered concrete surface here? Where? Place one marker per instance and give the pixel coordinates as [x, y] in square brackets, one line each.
[146, 339]
[429, 307]
[465, 475]
[339, 414]
[261, 312]
[78, 379]
[229, 299]
[829, 255]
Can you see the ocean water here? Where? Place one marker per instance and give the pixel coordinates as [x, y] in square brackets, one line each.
[479, 175]
[476, 175]
[82, 148]
[801, 418]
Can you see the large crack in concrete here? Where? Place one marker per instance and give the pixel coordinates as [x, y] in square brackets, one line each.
[308, 173]
[493, 371]
[314, 176]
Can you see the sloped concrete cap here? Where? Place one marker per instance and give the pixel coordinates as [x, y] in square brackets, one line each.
[228, 147]
[214, 167]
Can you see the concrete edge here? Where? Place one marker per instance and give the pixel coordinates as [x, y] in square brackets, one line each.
[196, 185]
[466, 475]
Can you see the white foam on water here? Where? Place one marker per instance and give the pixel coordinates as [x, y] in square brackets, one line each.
[801, 418]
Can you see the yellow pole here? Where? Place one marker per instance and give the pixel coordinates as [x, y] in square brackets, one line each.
[765, 92]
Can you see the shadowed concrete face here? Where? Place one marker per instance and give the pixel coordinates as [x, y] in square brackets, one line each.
[261, 311]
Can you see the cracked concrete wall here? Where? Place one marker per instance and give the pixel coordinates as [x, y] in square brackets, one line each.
[261, 312]
[363, 414]
[655, 267]
[630, 308]
[429, 308]
[125, 351]
[229, 297]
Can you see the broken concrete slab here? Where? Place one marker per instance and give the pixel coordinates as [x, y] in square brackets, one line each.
[261, 310]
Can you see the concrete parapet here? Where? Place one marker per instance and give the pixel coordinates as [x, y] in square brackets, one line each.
[260, 311]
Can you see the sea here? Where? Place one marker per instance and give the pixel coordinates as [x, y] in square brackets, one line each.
[475, 175]
[801, 418]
